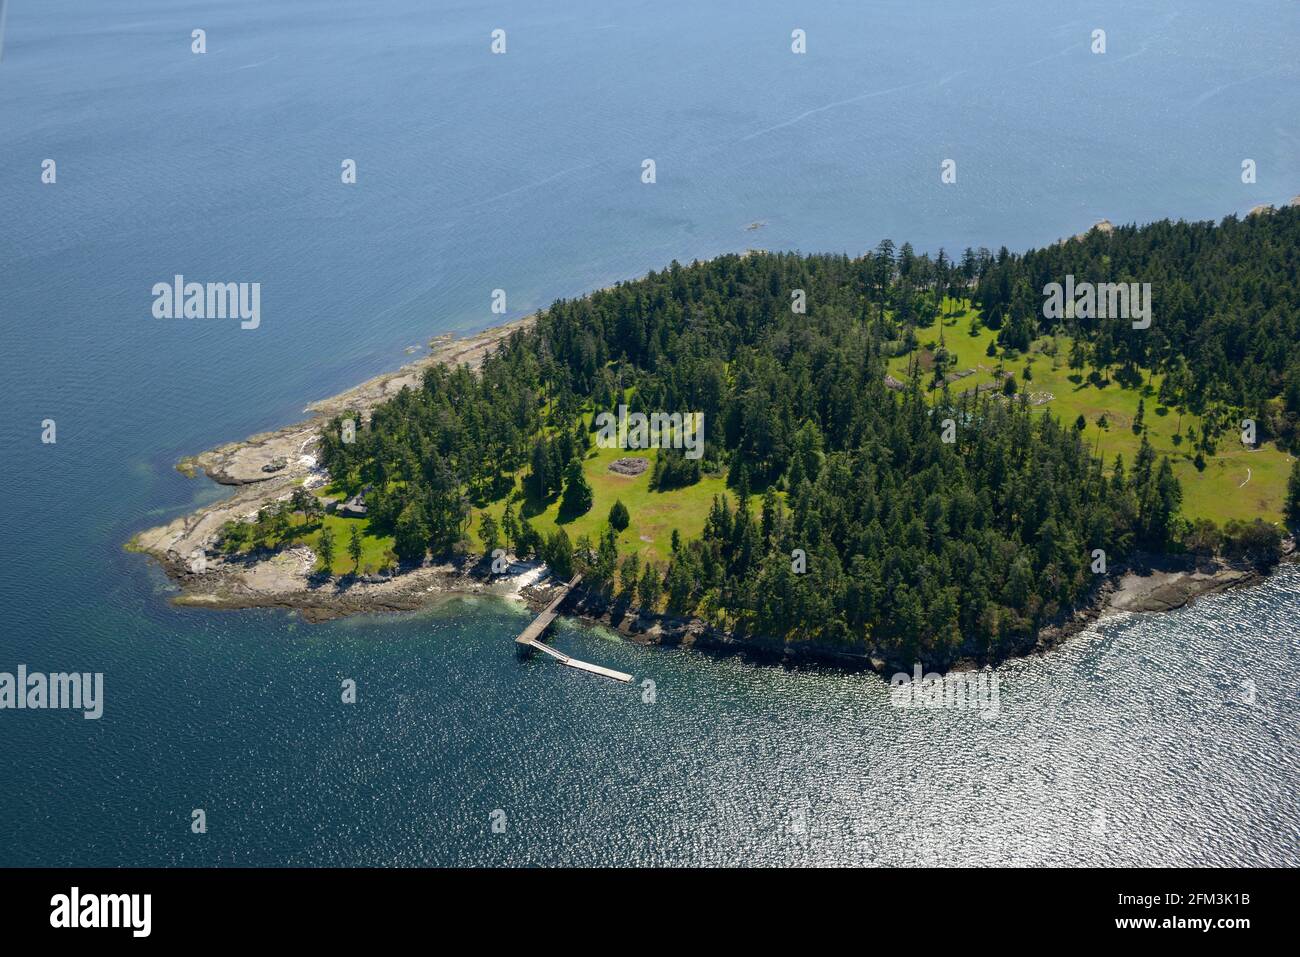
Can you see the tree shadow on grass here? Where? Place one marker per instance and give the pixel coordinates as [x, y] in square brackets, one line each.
[533, 506]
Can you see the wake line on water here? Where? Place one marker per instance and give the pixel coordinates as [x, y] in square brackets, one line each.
[1227, 86]
[830, 106]
[896, 89]
[1050, 56]
[249, 66]
[527, 186]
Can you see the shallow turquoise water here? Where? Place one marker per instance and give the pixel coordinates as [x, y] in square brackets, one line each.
[522, 172]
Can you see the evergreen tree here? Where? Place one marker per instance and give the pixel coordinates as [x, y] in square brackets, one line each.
[325, 546]
[488, 532]
[539, 480]
[771, 505]
[606, 561]
[510, 526]
[577, 492]
[559, 555]
[647, 589]
[354, 547]
[411, 535]
[530, 542]
[301, 501]
[1077, 358]
[628, 576]
[1292, 507]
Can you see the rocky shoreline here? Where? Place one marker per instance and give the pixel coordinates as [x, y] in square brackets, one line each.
[267, 467]
[1149, 584]
[1146, 584]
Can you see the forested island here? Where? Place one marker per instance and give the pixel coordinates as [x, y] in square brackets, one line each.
[904, 458]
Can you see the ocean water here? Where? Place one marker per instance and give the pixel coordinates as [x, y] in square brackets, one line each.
[1133, 743]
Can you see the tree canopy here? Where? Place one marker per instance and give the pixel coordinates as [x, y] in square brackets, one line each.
[915, 548]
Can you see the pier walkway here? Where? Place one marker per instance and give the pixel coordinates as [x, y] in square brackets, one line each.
[532, 638]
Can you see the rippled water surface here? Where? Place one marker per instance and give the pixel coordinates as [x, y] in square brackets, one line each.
[1151, 740]
[1132, 744]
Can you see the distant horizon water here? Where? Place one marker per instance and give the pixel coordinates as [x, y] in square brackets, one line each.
[127, 159]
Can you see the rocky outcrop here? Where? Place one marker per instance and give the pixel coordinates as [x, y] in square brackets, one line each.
[629, 465]
[185, 545]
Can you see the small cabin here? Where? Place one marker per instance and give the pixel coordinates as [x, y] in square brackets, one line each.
[355, 507]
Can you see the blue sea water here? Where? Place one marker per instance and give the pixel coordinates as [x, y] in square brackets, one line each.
[522, 171]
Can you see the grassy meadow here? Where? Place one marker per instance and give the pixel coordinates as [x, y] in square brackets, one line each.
[1237, 483]
[654, 515]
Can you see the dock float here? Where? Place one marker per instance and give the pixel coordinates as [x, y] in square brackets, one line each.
[532, 637]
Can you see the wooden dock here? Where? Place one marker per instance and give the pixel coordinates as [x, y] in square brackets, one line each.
[532, 638]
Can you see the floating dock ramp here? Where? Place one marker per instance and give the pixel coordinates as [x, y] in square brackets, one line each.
[532, 638]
